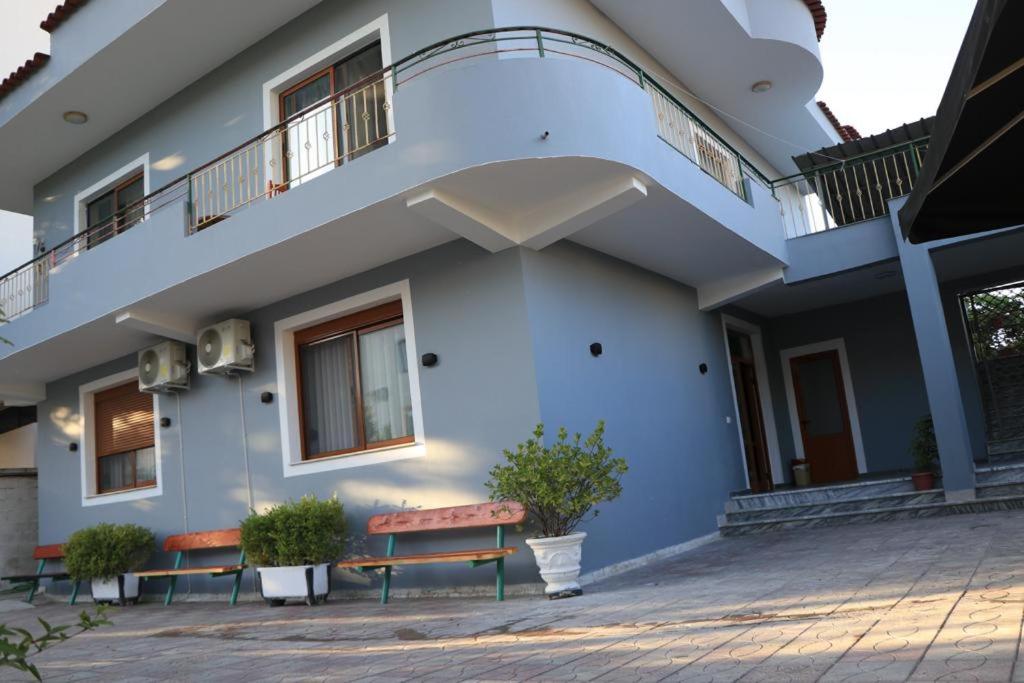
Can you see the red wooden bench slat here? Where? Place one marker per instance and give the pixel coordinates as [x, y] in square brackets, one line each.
[200, 540]
[459, 517]
[215, 569]
[430, 558]
[54, 551]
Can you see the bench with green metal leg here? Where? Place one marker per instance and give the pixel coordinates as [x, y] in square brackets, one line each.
[442, 519]
[44, 553]
[200, 540]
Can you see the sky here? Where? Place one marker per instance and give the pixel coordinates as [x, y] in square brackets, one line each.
[886, 62]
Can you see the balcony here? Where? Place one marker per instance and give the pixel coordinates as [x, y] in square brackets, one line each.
[357, 122]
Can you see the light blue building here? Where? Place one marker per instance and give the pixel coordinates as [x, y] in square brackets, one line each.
[426, 216]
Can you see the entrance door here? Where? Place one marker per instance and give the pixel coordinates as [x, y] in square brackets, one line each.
[748, 401]
[824, 417]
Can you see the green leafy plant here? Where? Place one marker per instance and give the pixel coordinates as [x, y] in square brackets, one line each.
[18, 644]
[923, 446]
[106, 550]
[560, 485]
[306, 531]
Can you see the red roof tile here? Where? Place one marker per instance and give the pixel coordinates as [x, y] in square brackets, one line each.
[819, 14]
[22, 73]
[846, 132]
[60, 14]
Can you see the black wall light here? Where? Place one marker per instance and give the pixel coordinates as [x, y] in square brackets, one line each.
[72, 446]
[266, 397]
[429, 360]
[703, 367]
[596, 349]
[165, 422]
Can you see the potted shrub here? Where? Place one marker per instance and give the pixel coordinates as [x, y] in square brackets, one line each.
[106, 555]
[292, 545]
[559, 486]
[925, 451]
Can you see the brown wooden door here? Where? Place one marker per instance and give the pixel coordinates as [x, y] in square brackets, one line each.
[748, 401]
[824, 417]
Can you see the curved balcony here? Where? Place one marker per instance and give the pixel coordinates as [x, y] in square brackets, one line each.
[517, 136]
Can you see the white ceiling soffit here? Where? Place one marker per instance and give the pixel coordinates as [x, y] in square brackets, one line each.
[172, 46]
[720, 48]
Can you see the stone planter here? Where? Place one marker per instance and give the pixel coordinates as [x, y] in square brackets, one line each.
[310, 582]
[123, 590]
[558, 559]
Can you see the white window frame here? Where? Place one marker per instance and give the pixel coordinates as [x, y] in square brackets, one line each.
[122, 174]
[287, 384]
[87, 446]
[771, 435]
[331, 54]
[838, 345]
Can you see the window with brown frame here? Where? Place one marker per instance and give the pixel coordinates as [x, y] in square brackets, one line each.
[124, 436]
[115, 211]
[341, 129]
[353, 378]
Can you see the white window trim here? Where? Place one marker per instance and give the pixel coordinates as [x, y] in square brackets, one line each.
[87, 447]
[375, 30]
[764, 395]
[96, 189]
[838, 345]
[287, 385]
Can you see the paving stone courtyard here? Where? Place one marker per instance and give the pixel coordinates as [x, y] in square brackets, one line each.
[928, 599]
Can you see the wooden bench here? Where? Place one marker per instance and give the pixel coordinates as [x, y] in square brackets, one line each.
[45, 553]
[442, 519]
[200, 540]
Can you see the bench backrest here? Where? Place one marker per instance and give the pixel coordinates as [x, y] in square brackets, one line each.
[201, 540]
[439, 519]
[49, 552]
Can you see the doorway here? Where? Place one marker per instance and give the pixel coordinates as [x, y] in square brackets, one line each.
[823, 415]
[748, 405]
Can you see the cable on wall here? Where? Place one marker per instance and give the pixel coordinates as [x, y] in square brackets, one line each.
[245, 443]
[184, 493]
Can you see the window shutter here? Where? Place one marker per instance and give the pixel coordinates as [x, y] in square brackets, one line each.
[123, 420]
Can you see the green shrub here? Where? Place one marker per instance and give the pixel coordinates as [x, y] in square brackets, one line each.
[106, 550]
[923, 447]
[559, 485]
[306, 531]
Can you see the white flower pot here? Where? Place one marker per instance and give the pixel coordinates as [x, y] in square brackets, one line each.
[310, 582]
[108, 590]
[558, 559]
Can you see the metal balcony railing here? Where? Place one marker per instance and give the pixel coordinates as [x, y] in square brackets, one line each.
[854, 190]
[353, 122]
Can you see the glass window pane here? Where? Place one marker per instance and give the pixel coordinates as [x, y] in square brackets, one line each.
[309, 140]
[99, 215]
[384, 373]
[364, 125]
[129, 208]
[115, 471]
[145, 466]
[329, 395]
[312, 92]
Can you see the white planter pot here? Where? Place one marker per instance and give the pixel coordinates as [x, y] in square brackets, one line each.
[558, 559]
[280, 583]
[107, 590]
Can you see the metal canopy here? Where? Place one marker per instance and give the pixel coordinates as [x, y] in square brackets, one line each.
[970, 181]
[829, 156]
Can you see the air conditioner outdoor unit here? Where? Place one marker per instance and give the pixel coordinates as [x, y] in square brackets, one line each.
[163, 368]
[225, 348]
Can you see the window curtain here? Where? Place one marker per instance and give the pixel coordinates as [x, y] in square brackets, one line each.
[328, 395]
[387, 401]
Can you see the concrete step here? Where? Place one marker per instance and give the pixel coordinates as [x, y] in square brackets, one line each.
[819, 494]
[936, 509]
[1000, 490]
[999, 473]
[884, 502]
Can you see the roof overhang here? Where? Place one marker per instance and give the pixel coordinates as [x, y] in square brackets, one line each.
[969, 182]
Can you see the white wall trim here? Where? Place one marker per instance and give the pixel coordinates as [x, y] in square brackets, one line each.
[288, 404]
[838, 345]
[771, 434]
[96, 189]
[87, 444]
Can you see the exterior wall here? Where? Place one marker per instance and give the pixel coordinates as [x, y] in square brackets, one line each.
[225, 108]
[469, 308]
[885, 370]
[18, 448]
[663, 416]
[18, 528]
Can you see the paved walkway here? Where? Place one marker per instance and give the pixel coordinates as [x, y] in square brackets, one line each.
[926, 599]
